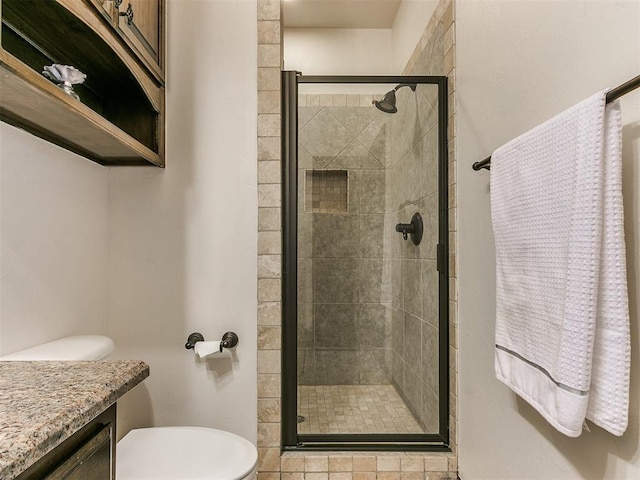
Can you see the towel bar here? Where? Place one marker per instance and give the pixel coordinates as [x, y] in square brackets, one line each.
[613, 94]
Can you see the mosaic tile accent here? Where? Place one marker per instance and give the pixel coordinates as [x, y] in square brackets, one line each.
[326, 191]
[354, 409]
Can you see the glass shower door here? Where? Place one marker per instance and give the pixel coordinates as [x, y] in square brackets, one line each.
[368, 312]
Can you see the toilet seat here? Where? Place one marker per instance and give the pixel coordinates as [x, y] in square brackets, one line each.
[184, 453]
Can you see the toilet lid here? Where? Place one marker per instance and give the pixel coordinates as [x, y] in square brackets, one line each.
[184, 453]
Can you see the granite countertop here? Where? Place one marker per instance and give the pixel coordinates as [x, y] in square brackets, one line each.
[44, 403]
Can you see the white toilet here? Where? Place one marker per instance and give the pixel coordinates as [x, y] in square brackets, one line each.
[158, 453]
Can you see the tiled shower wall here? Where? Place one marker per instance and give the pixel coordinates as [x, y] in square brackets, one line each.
[344, 315]
[435, 55]
[272, 463]
[412, 186]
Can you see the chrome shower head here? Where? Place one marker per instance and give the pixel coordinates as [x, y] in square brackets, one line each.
[388, 103]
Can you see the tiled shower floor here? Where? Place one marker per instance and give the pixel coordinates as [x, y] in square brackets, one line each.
[354, 409]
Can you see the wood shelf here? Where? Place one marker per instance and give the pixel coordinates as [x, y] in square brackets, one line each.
[117, 122]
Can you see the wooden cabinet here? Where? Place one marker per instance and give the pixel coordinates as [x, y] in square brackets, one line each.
[87, 454]
[140, 24]
[140, 21]
[119, 119]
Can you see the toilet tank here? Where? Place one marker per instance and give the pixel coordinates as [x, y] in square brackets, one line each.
[76, 347]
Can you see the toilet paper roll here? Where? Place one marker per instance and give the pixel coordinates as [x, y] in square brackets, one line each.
[206, 349]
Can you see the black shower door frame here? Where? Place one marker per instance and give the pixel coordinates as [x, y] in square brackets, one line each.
[291, 440]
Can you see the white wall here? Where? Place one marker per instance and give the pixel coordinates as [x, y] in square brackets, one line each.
[411, 20]
[338, 51]
[183, 241]
[53, 242]
[518, 64]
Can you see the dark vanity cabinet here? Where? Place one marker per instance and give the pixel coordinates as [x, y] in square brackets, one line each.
[89, 454]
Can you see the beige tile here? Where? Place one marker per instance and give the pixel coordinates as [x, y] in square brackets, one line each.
[388, 464]
[340, 464]
[269, 435]
[313, 100]
[339, 100]
[269, 55]
[269, 148]
[437, 476]
[269, 361]
[436, 464]
[269, 410]
[316, 476]
[412, 475]
[453, 289]
[353, 100]
[268, 476]
[316, 464]
[269, 290]
[269, 313]
[292, 464]
[364, 475]
[453, 464]
[453, 376]
[364, 464]
[449, 37]
[326, 100]
[449, 61]
[268, 459]
[269, 125]
[453, 358]
[268, 78]
[269, 195]
[451, 81]
[269, 385]
[269, 266]
[269, 243]
[268, 32]
[268, 9]
[292, 476]
[269, 338]
[453, 335]
[340, 476]
[412, 464]
[447, 16]
[453, 219]
[388, 475]
[269, 219]
[365, 100]
[268, 101]
[452, 173]
[269, 172]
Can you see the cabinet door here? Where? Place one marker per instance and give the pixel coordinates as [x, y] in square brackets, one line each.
[91, 461]
[140, 21]
[106, 8]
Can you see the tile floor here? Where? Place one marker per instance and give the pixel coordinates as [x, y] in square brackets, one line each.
[354, 409]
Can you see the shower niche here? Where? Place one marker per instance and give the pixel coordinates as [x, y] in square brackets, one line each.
[326, 191]
[365, 313]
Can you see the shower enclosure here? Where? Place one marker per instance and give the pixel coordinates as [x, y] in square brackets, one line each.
[365, 263]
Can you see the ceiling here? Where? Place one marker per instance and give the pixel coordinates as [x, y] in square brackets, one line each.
[339, 13]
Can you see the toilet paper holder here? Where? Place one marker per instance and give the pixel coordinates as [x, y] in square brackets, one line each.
[229, 340]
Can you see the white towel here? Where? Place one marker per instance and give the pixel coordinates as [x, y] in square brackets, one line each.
[562, 321]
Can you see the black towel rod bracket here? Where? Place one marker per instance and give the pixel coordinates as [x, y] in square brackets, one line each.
[613, 94]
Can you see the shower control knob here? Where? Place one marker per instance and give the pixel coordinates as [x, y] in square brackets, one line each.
[415, 229]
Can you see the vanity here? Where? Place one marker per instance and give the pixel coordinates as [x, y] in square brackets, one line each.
[57, 419]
